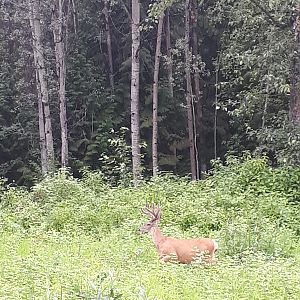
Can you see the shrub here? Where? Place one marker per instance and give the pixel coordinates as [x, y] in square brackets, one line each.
[246, 205]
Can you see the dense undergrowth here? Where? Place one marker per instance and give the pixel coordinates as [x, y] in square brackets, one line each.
[67, 231]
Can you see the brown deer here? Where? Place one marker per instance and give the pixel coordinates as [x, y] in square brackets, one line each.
[181, 250]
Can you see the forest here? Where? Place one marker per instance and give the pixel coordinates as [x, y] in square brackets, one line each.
[111, 107]
[208, 79]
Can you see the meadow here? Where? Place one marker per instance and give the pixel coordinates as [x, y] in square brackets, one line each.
[71, 238]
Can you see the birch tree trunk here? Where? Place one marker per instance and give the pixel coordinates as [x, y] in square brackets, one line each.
[216, 107]
[197, 85]
[169, 54]
[42, 134]
[45, 127]
[294, 108]
[44, 160]
[108, 42]
[155, 96]
[195, 54]
[189, 90]
[59, 44]
[135, 70]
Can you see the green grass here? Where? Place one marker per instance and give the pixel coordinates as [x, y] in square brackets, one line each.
[55, 266]
[78, 239]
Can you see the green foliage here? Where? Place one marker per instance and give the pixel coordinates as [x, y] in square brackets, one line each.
[282, 141]
[254, 46]
[124, 266]
[247, 205]
[257, 177]
[156, 9]
[255, 53]
[116, 161]
[19, 155]
[76, 238]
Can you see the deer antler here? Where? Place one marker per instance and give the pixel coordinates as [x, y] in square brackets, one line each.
[152, 211]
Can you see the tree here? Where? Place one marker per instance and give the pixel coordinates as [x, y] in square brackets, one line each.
[169, 54]
[189, 92]
[294, 108]
[45, 127]
[254, 77]
[197, 86]
[59, 26]
[155, 95]
[256, 91]
[135, 84]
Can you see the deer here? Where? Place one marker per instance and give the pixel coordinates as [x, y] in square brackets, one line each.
[171, 249]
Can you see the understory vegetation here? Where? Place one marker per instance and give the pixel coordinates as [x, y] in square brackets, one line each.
[70, 238]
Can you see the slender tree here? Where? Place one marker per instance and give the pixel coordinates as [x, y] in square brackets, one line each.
[216, 106]
[169, 53]
[194, 21]
[43, 148]
[198, 130]
[155, 95]
[45, 127]
[59, 44]
[189, 93]
[135, 83]
[294, 109]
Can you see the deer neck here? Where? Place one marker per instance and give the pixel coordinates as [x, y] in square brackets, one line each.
[157, 236]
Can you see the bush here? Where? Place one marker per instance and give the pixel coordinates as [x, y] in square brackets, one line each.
[246, 205]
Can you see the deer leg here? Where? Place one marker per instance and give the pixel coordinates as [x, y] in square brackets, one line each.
[212, 259]
[164, 259]
[171, 257]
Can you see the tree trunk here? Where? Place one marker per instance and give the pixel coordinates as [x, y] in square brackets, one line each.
[59, 38]
[44, 159]
[189, 95]
[108, 42]
[43, 148]
[135, 70]
[45, 127]
[216, 107]
[294, 109]
[169, 54]
[197, 80]
[155, 96]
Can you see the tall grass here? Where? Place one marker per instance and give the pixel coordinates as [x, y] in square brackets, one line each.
[78, 239]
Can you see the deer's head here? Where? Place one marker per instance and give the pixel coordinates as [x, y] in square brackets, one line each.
[153, 212]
